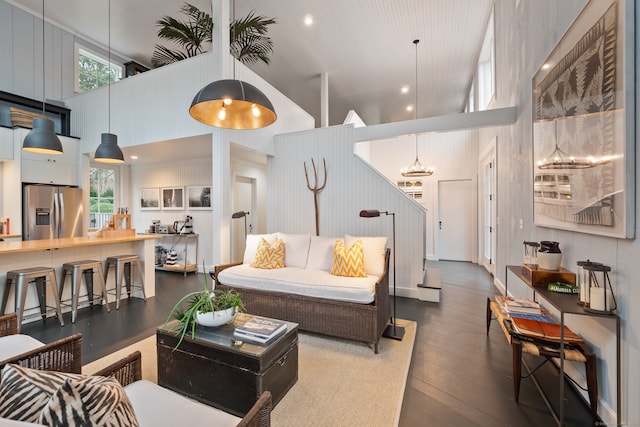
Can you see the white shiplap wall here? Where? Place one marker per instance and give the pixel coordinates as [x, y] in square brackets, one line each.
[454, 156]
[184, 174]
[352, 185]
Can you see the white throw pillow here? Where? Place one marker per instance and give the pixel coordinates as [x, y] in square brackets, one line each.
[374, 251]
[296, 249]
[251, 245]
[321, 253]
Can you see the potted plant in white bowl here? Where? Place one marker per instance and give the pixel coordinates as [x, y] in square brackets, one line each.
[208, 307]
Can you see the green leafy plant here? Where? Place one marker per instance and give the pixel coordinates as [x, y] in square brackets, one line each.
[204, 301]
[249, 42]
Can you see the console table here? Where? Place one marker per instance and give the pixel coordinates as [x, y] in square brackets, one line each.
[567, 304]
[183, 241]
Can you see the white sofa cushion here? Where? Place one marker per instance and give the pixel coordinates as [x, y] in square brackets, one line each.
[296, 249]
[374, 252]
[321, 253]
[307, 282]
[13, 345]
[157, 406]
[251, 245]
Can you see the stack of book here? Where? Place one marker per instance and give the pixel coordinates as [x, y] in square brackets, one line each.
[518, 305]
[260, 330]
[544, 331]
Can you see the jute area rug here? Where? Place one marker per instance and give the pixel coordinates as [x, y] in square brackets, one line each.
[340, 383]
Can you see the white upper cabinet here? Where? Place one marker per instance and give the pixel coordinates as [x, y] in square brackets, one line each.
[6, 143]
[50, 169]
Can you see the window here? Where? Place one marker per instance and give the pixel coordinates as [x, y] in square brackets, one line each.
[93, 70]
[102, 195]
[486, 68]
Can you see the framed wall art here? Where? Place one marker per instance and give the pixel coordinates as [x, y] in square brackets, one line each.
[173, 198]
[199, 197]
[149, 199]
[583, 132]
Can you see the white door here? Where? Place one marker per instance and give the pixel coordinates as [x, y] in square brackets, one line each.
[456, 216]
[243, 190]
[488, 211]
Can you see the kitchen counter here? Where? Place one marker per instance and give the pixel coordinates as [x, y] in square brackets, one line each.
[68, 242]
[16, 255]
[9, 236]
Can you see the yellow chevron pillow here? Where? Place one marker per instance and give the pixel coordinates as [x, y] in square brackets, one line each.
[269, 256]
[348, 262]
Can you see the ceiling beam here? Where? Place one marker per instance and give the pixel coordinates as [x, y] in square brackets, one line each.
[447, 123]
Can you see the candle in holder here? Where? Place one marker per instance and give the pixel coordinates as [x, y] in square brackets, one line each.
[597, 299]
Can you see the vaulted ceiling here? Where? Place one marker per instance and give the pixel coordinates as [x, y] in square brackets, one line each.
[365, 47]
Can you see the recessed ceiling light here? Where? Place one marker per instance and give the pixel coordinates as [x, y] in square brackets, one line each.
[134, 157]
[404, 89]
[308, 20]
[546, 66]
[409, 107]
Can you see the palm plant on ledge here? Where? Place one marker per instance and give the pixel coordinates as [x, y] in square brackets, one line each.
[209, 307]
[249, 41]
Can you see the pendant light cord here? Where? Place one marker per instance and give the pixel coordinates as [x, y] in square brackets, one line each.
[233, 34]
[43, 76]
[416, 43]
[109, 69]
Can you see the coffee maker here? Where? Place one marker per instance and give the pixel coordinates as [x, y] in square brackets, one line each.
[184, 227]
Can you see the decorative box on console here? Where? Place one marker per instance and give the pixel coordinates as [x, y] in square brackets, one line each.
[212, 370]
[540, 277]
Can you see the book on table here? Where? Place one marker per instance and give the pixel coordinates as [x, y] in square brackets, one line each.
[261, 330]
[548, 331]
[518, 305]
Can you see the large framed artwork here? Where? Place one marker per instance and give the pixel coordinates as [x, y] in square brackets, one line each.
[149, 199]
[199, 197]
[173, 198]
[583, 132]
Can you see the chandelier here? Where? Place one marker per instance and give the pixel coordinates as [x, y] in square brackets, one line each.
[416, 169]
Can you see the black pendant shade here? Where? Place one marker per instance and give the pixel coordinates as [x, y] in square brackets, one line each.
[108, 150]
[42, 138]
[232, 104]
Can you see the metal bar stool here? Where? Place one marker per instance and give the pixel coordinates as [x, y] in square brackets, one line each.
[22, 278]
[85, 268]
[123, 265]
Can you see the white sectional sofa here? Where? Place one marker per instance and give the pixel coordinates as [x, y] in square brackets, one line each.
[305, 291]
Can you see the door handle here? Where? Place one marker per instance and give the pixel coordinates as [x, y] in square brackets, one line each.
[440, 225]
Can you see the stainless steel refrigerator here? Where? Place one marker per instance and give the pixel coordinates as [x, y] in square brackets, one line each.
[51, 211]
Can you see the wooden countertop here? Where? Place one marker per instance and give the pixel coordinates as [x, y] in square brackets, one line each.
[9, 236]
[68, 242]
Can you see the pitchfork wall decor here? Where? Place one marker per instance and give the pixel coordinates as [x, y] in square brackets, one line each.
[316, 189]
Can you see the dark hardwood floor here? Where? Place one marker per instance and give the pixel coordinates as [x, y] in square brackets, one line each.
[459, 376]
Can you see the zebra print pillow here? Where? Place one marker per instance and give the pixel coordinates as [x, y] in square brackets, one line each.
[58, 399]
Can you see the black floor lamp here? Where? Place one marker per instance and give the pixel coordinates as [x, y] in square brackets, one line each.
[392, 330]
[241, 214]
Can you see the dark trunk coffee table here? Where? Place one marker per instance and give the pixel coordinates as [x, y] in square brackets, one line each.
[212, 370]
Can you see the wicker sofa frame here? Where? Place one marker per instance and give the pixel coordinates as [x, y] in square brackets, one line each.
[353, 321]
[129, 369]
[64, 355]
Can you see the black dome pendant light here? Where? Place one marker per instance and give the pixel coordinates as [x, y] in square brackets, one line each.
[42, 138]
[108, 150]
[232, 104]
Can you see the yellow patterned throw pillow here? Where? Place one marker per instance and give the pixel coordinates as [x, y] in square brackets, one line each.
[348, 262]
[269, 256]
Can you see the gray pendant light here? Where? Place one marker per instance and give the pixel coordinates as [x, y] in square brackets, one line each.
[416, 169]
[108, 150]
[232, 104]
[42, 137]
